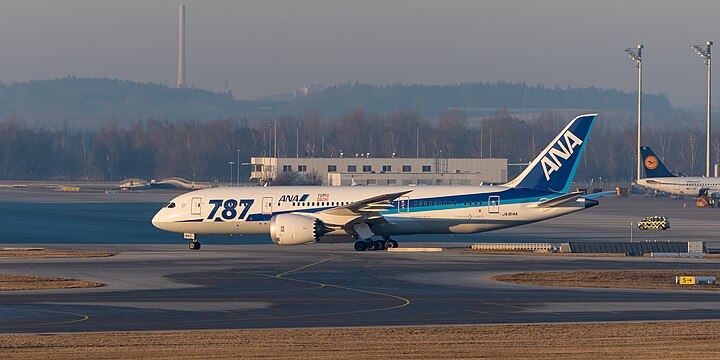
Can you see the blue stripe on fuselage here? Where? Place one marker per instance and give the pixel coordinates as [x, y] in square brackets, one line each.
[507, 196]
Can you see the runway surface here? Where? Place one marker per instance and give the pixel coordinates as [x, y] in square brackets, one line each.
[155, 283]
[263, 286]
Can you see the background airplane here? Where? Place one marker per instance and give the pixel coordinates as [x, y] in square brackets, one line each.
[294, 215]
[661, 179]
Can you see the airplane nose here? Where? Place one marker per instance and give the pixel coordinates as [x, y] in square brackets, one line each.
[156, 220]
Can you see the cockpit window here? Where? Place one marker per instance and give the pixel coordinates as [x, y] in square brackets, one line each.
[170, 205]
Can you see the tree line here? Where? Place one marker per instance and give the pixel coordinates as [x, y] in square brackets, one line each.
[202, 150]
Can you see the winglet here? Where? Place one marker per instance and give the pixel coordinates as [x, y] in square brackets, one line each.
[554, 168]
[652, 164]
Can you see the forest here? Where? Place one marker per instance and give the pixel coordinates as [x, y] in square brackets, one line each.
[201, 150]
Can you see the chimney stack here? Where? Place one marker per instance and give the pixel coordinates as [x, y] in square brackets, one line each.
[181, 47]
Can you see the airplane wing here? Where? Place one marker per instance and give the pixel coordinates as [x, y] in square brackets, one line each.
[658, 182]
[356, 216]
[369, 207]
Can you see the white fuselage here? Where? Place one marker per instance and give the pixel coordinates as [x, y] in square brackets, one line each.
[425, 209]
[682, 185]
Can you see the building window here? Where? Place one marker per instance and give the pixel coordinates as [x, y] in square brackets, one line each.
[302, 167]
[407, 168]
[391, 181]
[367, 168]
[257, 167]
[387, 168]
[287, 168]
[372, 181]
[426, 168]
[352, 168]
[332, 168]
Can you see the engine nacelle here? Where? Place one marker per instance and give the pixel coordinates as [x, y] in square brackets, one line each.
[295, 229]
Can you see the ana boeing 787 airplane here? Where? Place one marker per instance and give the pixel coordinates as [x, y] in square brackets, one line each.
[294, 215]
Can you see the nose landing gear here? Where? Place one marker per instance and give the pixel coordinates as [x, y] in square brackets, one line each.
[194, 242]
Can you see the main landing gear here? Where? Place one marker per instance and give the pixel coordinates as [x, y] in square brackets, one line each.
[194, 242]
[372, 245]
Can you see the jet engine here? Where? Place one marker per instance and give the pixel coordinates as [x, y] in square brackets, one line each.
[295, 229]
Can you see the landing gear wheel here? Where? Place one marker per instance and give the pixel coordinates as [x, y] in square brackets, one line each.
[372, 245]
[391, 244]
[360, 246]
[194, 245]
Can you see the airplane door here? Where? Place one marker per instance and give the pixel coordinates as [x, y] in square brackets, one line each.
[404, 204]
[196, 206]
[494, 204]
[267, 205]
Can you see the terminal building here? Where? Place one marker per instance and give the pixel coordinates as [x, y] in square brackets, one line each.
[384, 171]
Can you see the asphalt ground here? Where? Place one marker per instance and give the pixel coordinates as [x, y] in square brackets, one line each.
[155, 286]
[263, 286]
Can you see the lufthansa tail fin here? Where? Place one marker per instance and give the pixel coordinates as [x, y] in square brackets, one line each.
[554, 168]
[652, 165]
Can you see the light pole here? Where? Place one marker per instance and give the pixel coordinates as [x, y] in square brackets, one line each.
[237, 179]
[231, 163]
[704, 52]
[637, 57]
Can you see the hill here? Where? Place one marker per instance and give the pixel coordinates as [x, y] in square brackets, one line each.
[92, 102]
[432, 100]
[89, 102]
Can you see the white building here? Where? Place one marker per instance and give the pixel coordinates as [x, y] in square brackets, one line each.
[385, 171]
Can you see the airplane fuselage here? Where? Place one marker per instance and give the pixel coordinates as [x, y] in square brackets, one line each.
[424, 209]
[682, 185]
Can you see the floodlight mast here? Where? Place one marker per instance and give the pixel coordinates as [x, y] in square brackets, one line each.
[637, 57]
[704, 52]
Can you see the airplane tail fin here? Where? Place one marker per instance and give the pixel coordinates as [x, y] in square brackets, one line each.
[652, 165]
[554, 168]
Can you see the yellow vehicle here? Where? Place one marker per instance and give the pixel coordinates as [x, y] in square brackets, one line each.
[654, 222]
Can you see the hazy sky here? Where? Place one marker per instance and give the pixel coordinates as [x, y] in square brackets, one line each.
[263, 47]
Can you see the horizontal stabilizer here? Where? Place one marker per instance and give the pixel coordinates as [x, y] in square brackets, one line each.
[560, 200]
[599, 194]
